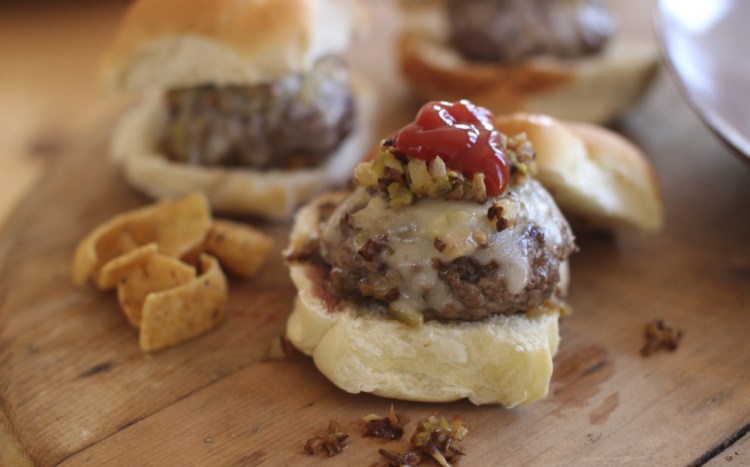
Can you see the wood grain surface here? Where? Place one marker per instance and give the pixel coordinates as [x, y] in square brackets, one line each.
[76, 390]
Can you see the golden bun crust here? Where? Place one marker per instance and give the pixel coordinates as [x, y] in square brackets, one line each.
[592, 89]
[501, 360]
[274, 194]
[169, 43]
[594, 174]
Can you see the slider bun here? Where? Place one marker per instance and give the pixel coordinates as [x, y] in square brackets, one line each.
[502, 359]
[171, 43]
[593, 89]
[595, 175]
[273, 194]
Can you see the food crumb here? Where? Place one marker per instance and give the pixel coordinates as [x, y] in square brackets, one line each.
[434, 437]
[208, 440]
[660, 335]
[389, 427]
[392, 459]
[331, 444]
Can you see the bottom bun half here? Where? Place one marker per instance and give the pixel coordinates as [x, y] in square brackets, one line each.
[274, 194]
[505, 359]
[592, 89]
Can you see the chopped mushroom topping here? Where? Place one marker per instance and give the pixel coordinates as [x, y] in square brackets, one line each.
[495, 213]
[439, 245]
[521, 155]
[404, 180]
[331, 444]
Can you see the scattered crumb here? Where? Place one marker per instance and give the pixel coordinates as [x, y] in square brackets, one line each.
[660, 335]
[331, 444]
[434, 437]
[390, 427]
[392, 459]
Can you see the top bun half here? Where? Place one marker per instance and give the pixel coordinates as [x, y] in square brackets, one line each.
[598, 178]
[172, 43]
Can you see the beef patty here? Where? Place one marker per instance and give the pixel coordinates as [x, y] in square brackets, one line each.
[376, 254]
[294, 122]
[512, 30]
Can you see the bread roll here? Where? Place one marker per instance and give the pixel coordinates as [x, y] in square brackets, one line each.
[273, 194]
[177, 43]
[592, 89]
[168, 44]
[595, 175]
[502, 359]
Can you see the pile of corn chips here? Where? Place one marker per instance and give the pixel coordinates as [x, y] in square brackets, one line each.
[162, 259]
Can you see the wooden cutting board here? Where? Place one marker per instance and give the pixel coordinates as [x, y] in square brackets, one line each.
[75, 389]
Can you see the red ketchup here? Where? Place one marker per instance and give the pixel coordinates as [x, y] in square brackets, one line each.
[463, 135]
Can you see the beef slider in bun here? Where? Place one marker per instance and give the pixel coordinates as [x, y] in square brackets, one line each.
[441, 276]
[564, 58]
[243, 100]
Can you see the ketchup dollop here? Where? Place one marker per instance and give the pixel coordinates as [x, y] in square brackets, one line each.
[463, 135]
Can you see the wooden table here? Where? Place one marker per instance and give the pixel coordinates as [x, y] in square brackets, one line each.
[75, 389]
